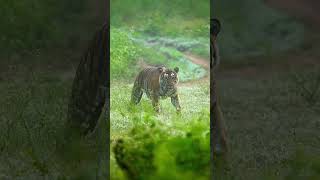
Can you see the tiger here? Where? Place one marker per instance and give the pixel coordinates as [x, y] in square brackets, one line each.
[90, 88]
[217, 125]
[88, 100]
[157, 82]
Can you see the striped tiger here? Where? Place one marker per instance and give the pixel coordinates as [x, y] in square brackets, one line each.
[157, 82]
[217, 124]
[90, 85]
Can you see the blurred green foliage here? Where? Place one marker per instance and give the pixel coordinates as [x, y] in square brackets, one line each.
[165, 17]
[150, 150]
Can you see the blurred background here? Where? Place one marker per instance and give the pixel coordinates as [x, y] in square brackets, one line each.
[41, 44]
[268, 83]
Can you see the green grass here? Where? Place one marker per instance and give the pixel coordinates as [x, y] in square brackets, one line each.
[164, 131]
[121, 94]
[268, 122]
[272, 127]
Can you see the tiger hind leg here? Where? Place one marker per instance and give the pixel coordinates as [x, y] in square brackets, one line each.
[136, 94]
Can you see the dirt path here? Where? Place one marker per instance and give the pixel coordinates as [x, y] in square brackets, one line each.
[198, 60]
[201, 62]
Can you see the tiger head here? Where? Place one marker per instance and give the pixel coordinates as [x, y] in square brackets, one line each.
[168, 81]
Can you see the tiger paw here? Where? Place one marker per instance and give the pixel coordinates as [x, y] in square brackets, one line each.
[219, 150]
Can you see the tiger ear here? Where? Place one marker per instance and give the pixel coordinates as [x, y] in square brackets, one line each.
[161, 69]
[215, 26]
[176, 69]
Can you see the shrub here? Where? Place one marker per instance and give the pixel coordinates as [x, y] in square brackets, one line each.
[123, 54]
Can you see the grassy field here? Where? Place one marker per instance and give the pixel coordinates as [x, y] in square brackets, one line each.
[194, 119]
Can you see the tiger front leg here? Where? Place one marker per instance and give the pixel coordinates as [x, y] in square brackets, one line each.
[175, 101]
[155, 103]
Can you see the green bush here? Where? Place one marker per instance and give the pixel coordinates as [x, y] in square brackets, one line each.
[123, 54]
[151, 150]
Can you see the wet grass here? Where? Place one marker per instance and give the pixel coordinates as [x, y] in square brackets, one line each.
[139, 124]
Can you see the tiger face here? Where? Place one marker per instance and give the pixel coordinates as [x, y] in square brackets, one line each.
[168, 82]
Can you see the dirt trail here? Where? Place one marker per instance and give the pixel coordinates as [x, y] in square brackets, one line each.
[201, 62]
[198, 60]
